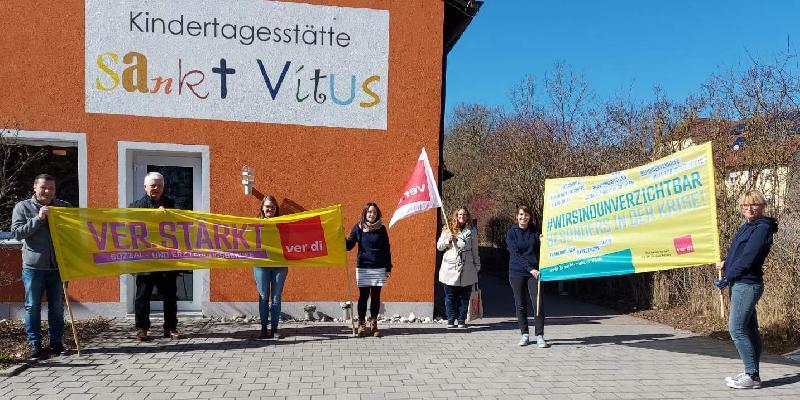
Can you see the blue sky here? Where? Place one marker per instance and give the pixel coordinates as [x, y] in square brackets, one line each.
[619, 45]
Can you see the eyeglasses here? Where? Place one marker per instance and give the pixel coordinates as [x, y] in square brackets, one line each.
[755, 205]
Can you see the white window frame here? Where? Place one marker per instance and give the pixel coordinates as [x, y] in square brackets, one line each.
[57, 139]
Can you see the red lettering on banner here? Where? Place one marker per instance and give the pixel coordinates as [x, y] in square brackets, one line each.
[302, 239]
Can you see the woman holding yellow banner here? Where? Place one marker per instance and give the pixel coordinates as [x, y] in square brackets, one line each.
[269, 282]
[373, 265]
[522, 241]
[744, 274]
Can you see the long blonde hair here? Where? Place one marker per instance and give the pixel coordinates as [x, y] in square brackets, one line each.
[453, 220]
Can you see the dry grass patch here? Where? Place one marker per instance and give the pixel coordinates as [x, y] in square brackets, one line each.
[14, 343]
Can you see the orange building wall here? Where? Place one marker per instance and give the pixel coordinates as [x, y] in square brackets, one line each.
[42, 79]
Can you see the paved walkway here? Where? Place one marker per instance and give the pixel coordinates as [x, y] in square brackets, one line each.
[594, 355]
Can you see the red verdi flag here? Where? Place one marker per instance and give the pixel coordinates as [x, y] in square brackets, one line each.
[420, 193]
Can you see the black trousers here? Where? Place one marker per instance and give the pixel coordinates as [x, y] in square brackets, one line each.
[523, 288]
[365, 293]
[168, 288]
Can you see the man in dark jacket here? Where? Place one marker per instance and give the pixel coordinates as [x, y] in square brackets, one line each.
[39, 266]
[165, 281]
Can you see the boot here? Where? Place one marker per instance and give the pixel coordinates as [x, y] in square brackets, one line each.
[264, 333]
[362, 329]
[141, 335]
[36, 352]
[373, 327]
[274, 333]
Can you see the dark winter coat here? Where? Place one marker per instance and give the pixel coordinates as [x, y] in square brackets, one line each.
[373, 248]
[749, 249]
[523, 249]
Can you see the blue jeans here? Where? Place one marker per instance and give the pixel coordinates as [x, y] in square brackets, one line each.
[456, 302]
[37, 282]
[743, 323]
[269, 281]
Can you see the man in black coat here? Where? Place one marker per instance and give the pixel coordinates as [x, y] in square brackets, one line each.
[165, 281]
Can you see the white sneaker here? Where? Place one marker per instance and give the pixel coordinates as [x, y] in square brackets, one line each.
[744, 382]
[524, 340]
[540, 341]
[733, 378]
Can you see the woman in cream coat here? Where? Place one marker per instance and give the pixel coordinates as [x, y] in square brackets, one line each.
[460, 265]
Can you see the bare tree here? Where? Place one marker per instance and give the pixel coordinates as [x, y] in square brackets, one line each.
[14, 159]
[556, 128]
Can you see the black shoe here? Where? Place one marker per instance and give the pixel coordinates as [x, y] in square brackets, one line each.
[274, 333]
[58, 350]
[265, 334]
[36, 353]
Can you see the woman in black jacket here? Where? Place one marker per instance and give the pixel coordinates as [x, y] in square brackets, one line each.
[373, 265]
[522, 241]
[744, 273]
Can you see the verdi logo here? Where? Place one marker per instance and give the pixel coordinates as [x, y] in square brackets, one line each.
[302, 239]
[683, 244]
[260, 61]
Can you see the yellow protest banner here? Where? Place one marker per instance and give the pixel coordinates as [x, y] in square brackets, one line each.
[92, 242]
[658, 216]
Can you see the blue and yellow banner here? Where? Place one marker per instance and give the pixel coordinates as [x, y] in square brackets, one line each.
[92, 242]
[658, 216]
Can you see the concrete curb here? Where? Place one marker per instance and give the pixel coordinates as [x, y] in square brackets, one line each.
[793, 355]
[16, 369]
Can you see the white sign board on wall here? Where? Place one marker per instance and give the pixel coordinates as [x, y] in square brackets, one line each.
[247, 60]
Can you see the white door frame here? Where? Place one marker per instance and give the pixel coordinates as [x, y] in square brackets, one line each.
[126, 152]
[140, 161]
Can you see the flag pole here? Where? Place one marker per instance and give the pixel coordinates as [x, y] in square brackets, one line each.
[444, 215]
[721, 298]
[539, 286]
[349, 303]
[71, 319]
[538, 294]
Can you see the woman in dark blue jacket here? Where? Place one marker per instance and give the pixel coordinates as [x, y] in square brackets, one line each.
[743, 269]
[373, 264]
[522, 241]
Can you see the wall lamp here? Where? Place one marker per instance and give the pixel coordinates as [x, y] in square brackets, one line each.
[248, 179]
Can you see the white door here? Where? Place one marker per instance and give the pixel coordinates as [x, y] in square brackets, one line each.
[182, 183]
